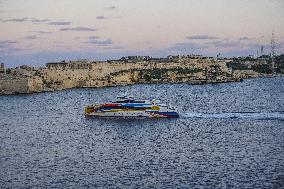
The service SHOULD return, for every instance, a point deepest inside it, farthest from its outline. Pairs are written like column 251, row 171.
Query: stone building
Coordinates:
column 69, row 65
column 2, row 68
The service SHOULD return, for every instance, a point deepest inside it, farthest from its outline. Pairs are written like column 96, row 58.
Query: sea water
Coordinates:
column 229, row 135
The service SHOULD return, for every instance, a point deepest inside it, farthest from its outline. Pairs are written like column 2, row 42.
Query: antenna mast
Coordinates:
column 273, row 53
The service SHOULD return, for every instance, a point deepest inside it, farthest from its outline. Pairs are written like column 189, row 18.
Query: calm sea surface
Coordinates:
column 229, row 136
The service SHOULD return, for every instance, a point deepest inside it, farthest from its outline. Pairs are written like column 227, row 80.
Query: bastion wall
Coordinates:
column 76, row 74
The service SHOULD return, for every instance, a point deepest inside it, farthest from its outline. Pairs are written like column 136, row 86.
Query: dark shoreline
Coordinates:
column 193, row 82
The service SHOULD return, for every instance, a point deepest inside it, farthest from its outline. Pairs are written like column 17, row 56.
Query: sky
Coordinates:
column 34, row 32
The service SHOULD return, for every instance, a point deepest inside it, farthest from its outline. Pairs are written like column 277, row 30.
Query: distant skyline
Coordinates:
column 35, row 32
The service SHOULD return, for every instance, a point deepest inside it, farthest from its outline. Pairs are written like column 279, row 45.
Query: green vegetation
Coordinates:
column 240, row 64
column 147, row 77
column 158, row 73
column 8, row 71
column 237, row 65
column 186, row 70
column 262, row 68
column 279, row 60
column 162, row 73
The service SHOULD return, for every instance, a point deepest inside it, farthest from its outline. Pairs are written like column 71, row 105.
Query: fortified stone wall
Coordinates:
column 35, row 84
column 64, row 75
column 58, row 76
column 98, row 73
column 14, row 86
column 63, row 79
column 20, row 85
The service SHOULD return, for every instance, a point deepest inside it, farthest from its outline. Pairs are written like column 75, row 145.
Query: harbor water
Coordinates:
column 229, row 135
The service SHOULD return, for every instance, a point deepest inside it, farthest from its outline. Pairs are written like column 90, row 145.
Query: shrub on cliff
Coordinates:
column 262, row 68
column 147, row 77
column 235, row 65
column 279, row 60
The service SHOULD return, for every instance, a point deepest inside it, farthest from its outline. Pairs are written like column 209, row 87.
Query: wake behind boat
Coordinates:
column 127, row 106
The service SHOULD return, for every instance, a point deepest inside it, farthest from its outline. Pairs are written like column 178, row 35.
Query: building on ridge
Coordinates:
column 2, row 68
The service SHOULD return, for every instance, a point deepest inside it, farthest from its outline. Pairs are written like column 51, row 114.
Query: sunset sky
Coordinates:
column 35, row 32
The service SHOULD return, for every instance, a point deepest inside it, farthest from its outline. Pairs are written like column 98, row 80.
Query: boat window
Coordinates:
column 129, row 101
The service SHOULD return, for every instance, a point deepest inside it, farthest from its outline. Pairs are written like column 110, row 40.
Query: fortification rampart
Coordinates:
column 20, row 85
column 14, row 86
column 75, row 74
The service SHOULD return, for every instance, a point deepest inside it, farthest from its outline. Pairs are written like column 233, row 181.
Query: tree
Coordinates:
column 262, row 68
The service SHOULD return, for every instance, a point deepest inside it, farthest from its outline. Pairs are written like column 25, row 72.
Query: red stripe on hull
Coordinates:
column 111, row 105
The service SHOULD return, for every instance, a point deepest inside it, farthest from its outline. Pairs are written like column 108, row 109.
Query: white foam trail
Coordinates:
column 235, row 115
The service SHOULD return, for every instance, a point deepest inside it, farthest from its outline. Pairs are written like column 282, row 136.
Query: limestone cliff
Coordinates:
column 76, row 74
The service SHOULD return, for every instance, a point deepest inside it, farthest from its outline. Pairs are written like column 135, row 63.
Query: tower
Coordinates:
column 261, row 50
column 2, row 68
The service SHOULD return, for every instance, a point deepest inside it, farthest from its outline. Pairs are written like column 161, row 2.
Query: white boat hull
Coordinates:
column 123, row 114
column 131, row 108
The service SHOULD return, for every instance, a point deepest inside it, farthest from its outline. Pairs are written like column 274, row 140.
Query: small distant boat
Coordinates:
column 127, row 106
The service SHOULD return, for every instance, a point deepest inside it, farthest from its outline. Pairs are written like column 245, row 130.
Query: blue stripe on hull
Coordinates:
column 166, row 114
column 133, row 105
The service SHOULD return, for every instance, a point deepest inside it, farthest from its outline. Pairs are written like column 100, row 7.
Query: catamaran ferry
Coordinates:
column 127, row 106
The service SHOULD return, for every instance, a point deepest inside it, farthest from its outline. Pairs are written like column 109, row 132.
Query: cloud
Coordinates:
column 7, row 43
column 226, row 44
column 178, row 49
column 243, row 38
column 201, row 37
column 35, row 20
column 187, row 46
column 101, row 42
column 8, row 51
column 101, row 18
column 43, row 32
column 59, row 23
column 114, row 48
column 24, row 19
column 31, row 37
column 216, row 42
column 78, row 29
column 110, row 8
column 94, row 37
